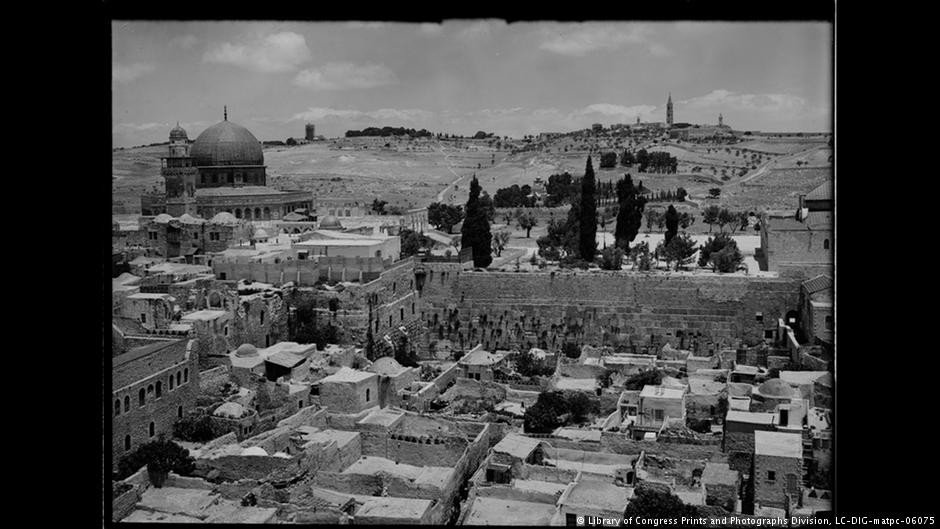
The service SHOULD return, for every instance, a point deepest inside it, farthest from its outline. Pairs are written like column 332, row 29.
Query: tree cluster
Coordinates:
column 528, row 365
column 724, row 217
column 678, row 250
column 669, row 195
column 630, row 212
column 412, row 242
column 514, row 197
column 652, row 162
column 608, row 160
column 444, row 216
column 555, row 408
column 650, row 377
column 388, row 131
column 560, row 189
column 197, row 428
column 721, row 254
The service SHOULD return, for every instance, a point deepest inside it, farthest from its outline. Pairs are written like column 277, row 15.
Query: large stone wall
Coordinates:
column 504, row 310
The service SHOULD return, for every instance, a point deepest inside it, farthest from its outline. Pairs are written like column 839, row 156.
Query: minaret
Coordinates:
column 638, row 120
column 720, row 120
column 225, row 110
column 669, row 110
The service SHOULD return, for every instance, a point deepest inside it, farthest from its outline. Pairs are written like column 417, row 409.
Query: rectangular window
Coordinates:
column 143, row 318
column 760, row 317
column 658, row 415
column 771, row 475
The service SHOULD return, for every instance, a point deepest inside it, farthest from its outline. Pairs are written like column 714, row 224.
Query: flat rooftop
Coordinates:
column 148, row 295
column 495, row 511
column 534, row 485
column 800, row 378
column 341, row 437
column 576, row 384
column 346, row 375
column 661, row 392
column 516, row 445
column 204, row 315
column 750, row 417
column 778, row 444
column 383, row 417
column 719, row 474
column 593, row 494
column 371, row 465
column 393, row 508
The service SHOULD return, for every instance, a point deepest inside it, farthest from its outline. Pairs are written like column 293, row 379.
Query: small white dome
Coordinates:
column 245, row 350
column 254, row 451
column 162, row 218
column 224, row 217
column 232, row 410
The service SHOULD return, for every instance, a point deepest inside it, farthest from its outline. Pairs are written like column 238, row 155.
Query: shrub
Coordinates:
column 652, row 377
column 571, row 350
column 197, row 428
column 159, row 457
column 611, row 258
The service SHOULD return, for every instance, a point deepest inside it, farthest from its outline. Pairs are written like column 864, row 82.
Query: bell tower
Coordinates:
column 669, row 110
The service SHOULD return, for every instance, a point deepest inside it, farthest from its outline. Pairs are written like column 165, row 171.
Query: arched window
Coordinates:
column 159, row 389
column 247, row 213
column 826, row 244
column 238, row 213
column 261, row 318
column 171, row 381
column 186, row 375
column 152, row 429
column 828, row 323
column 257, row 213
column 179, row 412
column 368, row 394
column 267, row 213
column 141, row 397
column 127, row 404
column 127, row 443
column 402, row 314
column 150, row 390
column 117, row 407
column 179, row 378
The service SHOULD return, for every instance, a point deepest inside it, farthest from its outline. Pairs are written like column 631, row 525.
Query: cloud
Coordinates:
column 356, row 24
column 139, row 127
column 619, row 112
column 779, row 104
column 280, row 52
column 591, row 37
column 388, row 115
column 125, row 73
column 344, row 75
column 479, row 30
column 184, row 41
column 429, row 29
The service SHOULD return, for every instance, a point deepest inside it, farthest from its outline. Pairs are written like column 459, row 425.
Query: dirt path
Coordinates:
column 448, row 190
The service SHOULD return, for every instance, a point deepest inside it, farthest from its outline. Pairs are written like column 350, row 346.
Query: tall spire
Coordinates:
column 225, row 115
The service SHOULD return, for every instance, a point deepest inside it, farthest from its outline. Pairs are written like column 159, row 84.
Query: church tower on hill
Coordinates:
column 720, row 120
column 669, row 110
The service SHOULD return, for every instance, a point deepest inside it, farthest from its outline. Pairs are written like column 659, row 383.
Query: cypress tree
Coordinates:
column 630, row 216
column 672, row 223
column 476, row 228
column 588, row 220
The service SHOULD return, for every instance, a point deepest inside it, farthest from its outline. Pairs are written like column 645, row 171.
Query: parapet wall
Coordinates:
column 536, row 309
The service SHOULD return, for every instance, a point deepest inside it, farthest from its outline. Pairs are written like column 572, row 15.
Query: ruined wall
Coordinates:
column 504, row 310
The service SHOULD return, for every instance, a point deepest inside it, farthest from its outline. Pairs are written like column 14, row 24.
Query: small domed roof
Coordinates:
column 162, row 218
column 260, row 234
column 232, row 410
column 178, row 133
column 245, row 350
column 186, row 218
column 254, row 451
column 224, row 217
column 330, row 222
column 776, row 388
column 226, row 143
column 386, row 366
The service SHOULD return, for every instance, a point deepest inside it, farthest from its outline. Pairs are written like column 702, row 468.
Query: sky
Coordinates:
column 463, row 76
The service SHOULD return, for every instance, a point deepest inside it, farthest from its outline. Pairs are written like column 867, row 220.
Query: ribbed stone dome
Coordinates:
column 246, row 350
column 776, row 388
column 178, row 133
column 226, row 143
column 330, row 222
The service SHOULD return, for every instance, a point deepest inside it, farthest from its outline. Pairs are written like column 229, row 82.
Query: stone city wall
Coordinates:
column 536, row 309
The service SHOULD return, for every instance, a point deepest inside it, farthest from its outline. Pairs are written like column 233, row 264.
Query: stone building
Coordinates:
column 778, row 470
column 154, row 382
column 738, row 439
column 310, row 132
column 772, row 393
column 799, row 244
column 188, row 236
column 393, row 379
column 817, row 321
column 349, row 391
column 479, row 364
column 589, row 496
column 658, row 404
